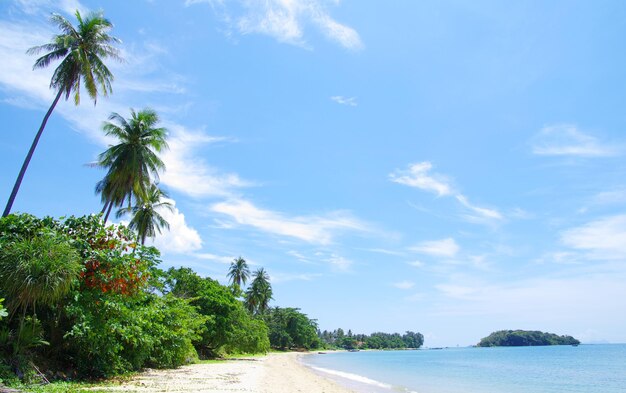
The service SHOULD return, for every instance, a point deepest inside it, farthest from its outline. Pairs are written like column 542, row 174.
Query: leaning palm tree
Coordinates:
column 81, row 50
column 146, row 219
column 238, row 273
column 133, row 163
column 259, row 294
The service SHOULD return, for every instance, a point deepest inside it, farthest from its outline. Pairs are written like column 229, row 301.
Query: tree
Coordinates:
column 81, row 50
column 239, row 273
column 259, row 294
column 146, row 220
column 133, row 163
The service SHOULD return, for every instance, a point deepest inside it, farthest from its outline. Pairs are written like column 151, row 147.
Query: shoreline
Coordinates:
column 272, row 373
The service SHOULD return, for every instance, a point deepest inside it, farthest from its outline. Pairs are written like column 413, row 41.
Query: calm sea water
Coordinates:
column 553, row 369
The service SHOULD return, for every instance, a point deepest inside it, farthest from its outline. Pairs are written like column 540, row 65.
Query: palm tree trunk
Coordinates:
column 18, row 182
column 108, row 212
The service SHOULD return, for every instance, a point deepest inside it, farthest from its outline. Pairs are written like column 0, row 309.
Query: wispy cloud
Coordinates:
column 284, row 20
column 190, row 174
column 339, row 263
column 437, row 248
column 601, row 239
column 44, row 6
column 349, row 101
column 403, row 284
column 420, row 175
column 568, row 140
column 221, row 259
column 481, row 211
column 312, row 229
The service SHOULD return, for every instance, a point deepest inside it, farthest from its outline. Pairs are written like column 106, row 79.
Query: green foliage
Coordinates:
column 3, row 311
column 289, row 328
column 81, row 50
column 145, row 218
column 227, row 328
column 114, row 334
column 238, row 274
column 37, row 270
column 516, row 338
column 132, row 163
column 259, row 294
column 248, row 335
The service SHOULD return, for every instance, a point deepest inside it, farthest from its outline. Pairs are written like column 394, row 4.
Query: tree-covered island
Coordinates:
column 525, row 338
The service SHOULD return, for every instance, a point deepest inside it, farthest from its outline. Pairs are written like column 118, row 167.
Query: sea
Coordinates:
column 549, row 369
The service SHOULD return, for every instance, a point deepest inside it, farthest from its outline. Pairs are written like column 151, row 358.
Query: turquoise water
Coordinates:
column 553, row 369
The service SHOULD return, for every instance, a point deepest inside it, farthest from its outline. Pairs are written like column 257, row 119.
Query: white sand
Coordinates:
column 274, row 373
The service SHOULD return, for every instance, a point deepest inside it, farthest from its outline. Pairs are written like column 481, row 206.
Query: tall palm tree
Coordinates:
column 146, row 219
column 259, row 294
column 133, row 163
column 81, row 50
column 239, row 272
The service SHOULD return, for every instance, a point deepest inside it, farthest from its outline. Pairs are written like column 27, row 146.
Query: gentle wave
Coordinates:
column 356, row 378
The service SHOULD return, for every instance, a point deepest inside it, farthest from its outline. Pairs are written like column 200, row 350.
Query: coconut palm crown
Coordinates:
column 146, row 219
column 238, row 272
column 133, row 163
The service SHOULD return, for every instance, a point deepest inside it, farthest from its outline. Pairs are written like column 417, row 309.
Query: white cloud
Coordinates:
column 568, row 140
column 403, row 284
column 339, row 263
column 284, row 20
column 437, row 248
column 602, row 239
column 226, row 260
column 481, row 211
column 416, row 263
column 349, row 101
column 311, row 229
column 181, row 238
column 40, row 6
column 418, row 176
column 191, row 175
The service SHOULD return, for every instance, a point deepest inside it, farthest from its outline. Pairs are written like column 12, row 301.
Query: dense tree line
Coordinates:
column 339, row 339
column 517, row 338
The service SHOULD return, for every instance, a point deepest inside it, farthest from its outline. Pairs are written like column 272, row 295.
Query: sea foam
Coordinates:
column 357, row 378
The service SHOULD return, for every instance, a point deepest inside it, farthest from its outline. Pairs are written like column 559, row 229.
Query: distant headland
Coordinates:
column 522, row 338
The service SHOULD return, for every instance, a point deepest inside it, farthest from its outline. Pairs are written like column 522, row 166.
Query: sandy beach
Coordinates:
column 274, row 373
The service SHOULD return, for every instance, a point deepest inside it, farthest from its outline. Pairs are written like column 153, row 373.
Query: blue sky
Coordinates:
column 447, row 167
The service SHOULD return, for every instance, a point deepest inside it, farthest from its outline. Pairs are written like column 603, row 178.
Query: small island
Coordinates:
column 521, row 338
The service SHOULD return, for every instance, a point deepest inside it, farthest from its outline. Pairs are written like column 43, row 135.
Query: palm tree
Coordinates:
column 81, row 50
column 146, row 218
column 238, row 273
column 133, row 163
column 259, row 294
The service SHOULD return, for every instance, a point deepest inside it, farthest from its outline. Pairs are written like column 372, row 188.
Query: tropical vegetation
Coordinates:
column 518, row 338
